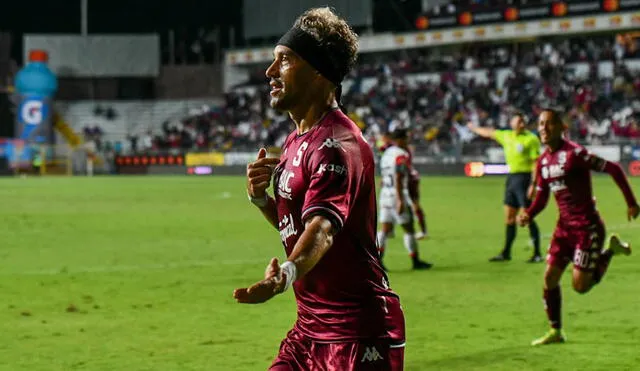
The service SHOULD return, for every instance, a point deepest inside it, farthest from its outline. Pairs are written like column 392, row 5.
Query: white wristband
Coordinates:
column 291, row 272
column 259, row 201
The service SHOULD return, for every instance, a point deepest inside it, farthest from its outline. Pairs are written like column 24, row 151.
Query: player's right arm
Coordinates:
column 540, row 201
column 313, row 244
column 259, row 175
column 595, row 163
column 327, row 203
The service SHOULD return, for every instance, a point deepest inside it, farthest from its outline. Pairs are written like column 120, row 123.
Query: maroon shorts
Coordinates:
column 582, row 246
column 300, row 353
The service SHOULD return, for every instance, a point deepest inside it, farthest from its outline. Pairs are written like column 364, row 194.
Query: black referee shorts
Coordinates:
column 515, row 194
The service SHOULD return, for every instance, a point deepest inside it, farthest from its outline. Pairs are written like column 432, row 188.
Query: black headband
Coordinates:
column 307, row 47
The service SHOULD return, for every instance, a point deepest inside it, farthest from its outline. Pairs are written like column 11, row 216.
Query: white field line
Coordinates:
column 195, row 263
column 224, row 195
column 136, row 268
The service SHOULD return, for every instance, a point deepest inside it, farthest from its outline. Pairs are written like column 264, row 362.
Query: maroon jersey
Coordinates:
column 329, row 170
column 567, row 173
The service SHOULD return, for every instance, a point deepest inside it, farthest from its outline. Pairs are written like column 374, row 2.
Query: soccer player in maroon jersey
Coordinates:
column 565, row 169
column 325, row 211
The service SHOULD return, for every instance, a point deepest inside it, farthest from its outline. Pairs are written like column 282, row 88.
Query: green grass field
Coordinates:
column 138, row 274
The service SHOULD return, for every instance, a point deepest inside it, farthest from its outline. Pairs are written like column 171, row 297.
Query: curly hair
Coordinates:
column 334, row 34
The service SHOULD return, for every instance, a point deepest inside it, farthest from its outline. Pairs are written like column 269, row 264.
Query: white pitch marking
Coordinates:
column 189, row 264
column 135, row 268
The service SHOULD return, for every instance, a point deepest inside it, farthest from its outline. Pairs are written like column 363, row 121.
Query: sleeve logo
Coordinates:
column 331, row 143
column 338, row 169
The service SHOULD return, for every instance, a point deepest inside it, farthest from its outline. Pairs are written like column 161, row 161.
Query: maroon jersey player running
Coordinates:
column 565, row 169
column 325, row 211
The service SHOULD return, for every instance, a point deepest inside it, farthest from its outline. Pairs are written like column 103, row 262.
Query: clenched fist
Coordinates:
column 259, row 174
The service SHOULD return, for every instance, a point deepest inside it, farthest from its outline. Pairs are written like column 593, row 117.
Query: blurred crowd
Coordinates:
column 241, row 124
column 596, row 109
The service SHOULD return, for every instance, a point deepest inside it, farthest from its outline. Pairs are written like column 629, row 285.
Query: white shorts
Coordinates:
column 389, row 213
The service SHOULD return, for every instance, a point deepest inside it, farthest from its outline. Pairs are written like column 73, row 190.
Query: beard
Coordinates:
column 281, row 102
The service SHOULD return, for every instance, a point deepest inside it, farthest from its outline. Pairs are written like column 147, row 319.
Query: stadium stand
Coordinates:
column 595, row 80
column 433, row 91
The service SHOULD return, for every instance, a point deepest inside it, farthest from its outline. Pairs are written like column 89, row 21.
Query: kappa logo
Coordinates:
column 331, row 143
column 371, row 354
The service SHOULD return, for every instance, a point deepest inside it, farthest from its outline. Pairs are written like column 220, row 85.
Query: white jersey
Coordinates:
column 393, row 159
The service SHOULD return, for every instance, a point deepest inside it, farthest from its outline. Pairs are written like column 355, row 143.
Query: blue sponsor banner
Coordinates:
column 17, row 152
column 33, row 119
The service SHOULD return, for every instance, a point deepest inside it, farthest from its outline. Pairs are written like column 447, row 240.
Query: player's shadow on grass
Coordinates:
column 491, row 357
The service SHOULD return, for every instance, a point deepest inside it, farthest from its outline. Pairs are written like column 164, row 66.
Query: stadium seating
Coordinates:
column 595, row 80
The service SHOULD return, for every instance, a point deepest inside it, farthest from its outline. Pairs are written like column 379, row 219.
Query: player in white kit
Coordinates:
column 396, row 206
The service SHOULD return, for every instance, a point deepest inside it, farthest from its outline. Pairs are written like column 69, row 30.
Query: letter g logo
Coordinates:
column 31, row 112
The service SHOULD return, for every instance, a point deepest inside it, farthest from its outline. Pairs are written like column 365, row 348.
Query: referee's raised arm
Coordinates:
column 489, row 133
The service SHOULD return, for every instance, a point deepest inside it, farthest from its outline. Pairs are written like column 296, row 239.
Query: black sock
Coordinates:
column 534, row 232
column 511, row 235
column 601, row 265
column 414, row 257
column 553, row 307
